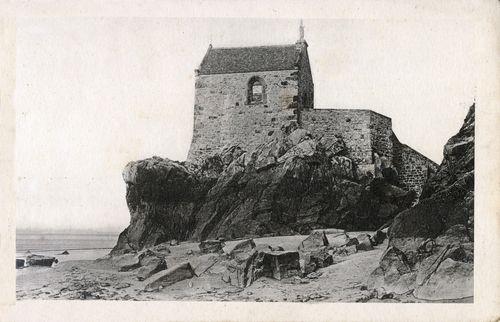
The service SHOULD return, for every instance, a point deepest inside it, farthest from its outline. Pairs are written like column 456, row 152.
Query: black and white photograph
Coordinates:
column 249, row 159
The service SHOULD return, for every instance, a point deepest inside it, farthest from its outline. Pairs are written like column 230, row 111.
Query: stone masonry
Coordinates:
column 222, row 117
column 245, row 94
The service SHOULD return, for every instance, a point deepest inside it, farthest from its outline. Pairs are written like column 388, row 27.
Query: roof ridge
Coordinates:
column 260, row 46
column 223, row 60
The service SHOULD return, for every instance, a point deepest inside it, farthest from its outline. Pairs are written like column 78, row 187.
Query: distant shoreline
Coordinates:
column 58, row 241
column 65, row 232
column 57, row 250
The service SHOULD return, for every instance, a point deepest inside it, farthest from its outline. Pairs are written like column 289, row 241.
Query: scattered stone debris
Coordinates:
column 308, row 297
column 330, row 231
column 122, row 285
column 162, row 248
column 352, row 242
column 345, row 251
column 320, row 257
column 314, row 275
column 365, row 242
column 211, row 246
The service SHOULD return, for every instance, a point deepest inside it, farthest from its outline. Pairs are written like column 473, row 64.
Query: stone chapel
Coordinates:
column 245, row 94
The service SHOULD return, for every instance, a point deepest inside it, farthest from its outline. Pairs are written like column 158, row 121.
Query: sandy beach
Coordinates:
column 345, row 281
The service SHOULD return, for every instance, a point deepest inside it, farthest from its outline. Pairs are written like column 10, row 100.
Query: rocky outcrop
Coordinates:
column 292, row 184
column 431, row 245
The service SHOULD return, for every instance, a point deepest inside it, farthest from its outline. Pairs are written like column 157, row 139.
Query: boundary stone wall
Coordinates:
column 380, row 134
column 352, row 125
column 413, row 168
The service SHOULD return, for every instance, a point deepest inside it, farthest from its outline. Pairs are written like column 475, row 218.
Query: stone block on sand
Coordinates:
column 169, row 276
column 40, row 260
column 315, row 240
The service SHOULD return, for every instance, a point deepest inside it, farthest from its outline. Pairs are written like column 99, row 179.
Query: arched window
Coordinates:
column 256, row 91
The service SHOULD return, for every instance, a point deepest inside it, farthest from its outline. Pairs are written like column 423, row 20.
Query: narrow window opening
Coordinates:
column 256, row 91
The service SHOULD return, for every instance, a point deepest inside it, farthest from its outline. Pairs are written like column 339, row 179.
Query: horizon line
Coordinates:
column 67, row 230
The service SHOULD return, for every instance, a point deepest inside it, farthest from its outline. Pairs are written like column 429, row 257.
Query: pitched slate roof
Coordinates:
column 249, row 59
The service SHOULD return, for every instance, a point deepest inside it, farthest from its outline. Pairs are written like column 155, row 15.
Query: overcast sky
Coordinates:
column 93, row 94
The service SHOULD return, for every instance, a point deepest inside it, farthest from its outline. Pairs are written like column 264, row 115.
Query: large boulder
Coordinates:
column 431, row 245
column 317, row 239
column 169, row 276
column 338, row 239
column 394, row 274
column 201, row 264
column 19, row 263
column 241, row 248
column 127, row 262
column 277, row 264
column 240, row 271
column 40, row 260
column 314, row 253
column 452, row 280
column 320, row 258
column 248, row 264
column 150, row 264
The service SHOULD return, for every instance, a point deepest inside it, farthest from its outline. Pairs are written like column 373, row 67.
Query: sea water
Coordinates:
column 81, row 246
